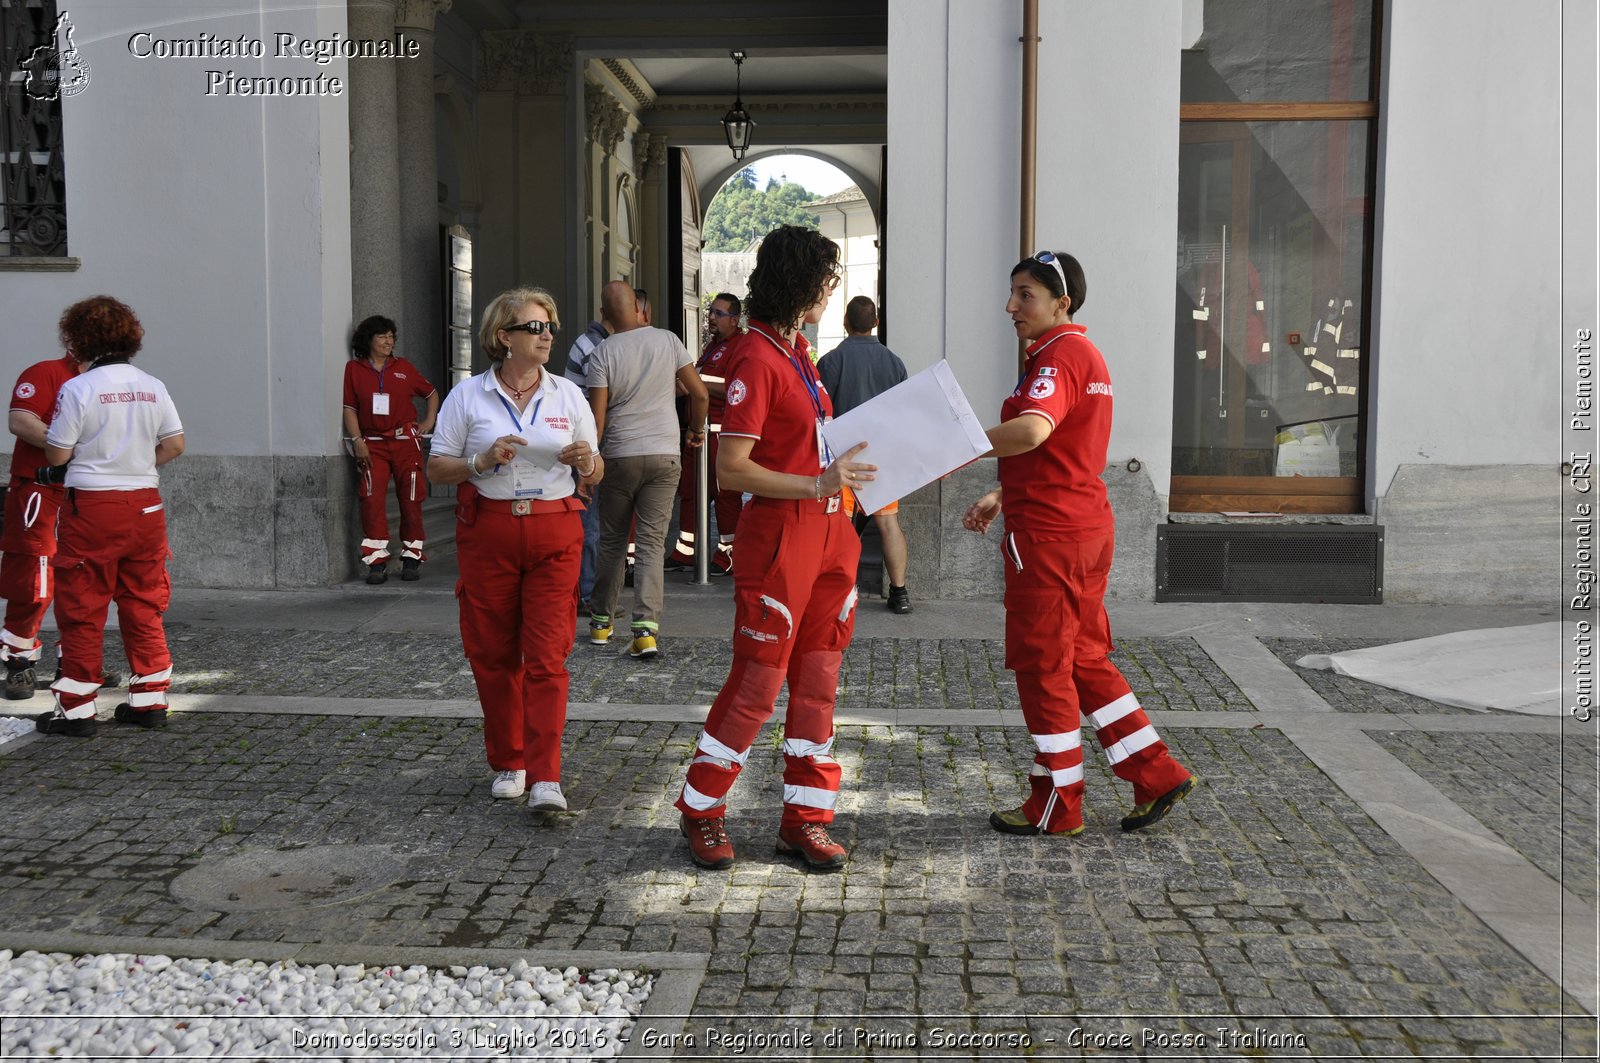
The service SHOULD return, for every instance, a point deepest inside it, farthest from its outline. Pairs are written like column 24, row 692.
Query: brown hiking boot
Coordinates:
column 811, row 842
column 708, row 842
column 1152, row 812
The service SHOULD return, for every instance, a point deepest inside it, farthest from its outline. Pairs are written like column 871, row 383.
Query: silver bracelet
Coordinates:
column 818, row 488
column 472, row 465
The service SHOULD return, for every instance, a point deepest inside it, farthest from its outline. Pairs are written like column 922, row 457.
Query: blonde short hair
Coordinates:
column 502, row 311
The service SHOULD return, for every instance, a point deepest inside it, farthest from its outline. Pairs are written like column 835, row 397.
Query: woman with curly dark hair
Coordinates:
column 380, row 416
column 115, row 424
column 794, row 586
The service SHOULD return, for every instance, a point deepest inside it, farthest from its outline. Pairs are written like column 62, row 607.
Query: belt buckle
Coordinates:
column 833, row 504
column 521, row 507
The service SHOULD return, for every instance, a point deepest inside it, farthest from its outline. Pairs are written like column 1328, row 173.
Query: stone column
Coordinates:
column 524, row 152
column 422, row 323
column 374, row 169
column 649, row 162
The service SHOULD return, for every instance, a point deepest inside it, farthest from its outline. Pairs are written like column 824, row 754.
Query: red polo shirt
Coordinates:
column 769, row 399
column 35, row 393
column 1055, row 490
column 399, row 380
column 714, row 362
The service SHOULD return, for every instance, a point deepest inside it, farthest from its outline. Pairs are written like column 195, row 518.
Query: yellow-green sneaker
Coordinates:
column 1014, row 821
column 599, row 631
column 1152, row 812
column 644, row 645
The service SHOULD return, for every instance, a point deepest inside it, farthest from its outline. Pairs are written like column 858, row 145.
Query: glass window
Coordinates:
column 33, row 214
column 1255, row 51
column 1273, row 255
column 1271, row 263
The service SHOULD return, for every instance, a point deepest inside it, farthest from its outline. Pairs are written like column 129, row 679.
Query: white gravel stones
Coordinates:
column 14, row 727
column 121, row 1005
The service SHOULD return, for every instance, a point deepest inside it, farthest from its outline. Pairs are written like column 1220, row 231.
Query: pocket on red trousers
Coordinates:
column 1036, row 628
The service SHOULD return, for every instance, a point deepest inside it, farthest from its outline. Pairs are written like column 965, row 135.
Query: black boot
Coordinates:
column 19, row 680
column 409, row 569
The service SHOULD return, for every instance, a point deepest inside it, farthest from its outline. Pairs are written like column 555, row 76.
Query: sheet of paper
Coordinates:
column 915, row 432
column 545, row 450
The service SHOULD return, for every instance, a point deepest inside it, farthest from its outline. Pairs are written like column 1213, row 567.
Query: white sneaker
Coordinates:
column 509, row 784
column 546, row 797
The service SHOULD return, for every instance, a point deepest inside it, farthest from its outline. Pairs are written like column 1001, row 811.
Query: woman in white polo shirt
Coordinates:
column 508, row 437
column 115, row 424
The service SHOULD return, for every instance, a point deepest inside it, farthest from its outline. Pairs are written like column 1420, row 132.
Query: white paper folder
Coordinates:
column 916, row 432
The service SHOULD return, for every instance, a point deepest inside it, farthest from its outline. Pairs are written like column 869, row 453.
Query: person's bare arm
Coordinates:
column 28, row 428
column 598, row 397
column 169, row 448
column 1019, row 435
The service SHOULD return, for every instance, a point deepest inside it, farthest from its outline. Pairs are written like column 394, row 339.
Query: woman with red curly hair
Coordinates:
column 114, row 424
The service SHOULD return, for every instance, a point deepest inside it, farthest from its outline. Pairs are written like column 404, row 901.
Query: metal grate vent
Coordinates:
column 1278, row 563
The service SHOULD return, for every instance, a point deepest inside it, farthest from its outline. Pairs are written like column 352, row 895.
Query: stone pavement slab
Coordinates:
column 1291, row 907
column 1268, row 900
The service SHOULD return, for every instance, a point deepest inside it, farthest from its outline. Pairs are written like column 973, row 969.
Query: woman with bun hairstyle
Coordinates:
column 1060, row 534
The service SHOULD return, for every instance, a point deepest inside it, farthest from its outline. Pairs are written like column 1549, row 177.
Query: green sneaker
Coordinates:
column 1153, row 812
column 1013, row 821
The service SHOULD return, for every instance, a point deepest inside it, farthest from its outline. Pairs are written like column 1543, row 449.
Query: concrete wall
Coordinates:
column 224, row 223
column 954, row 124
column 1468, row 347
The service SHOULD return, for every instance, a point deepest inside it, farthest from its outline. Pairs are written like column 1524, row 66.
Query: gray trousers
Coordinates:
column 637, row 491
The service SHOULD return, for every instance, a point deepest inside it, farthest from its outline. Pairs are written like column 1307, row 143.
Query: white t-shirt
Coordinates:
column 479, row 412
column 639, row 367
column 114, row 415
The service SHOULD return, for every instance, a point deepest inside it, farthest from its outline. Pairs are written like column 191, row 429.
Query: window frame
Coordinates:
column 1330, row 494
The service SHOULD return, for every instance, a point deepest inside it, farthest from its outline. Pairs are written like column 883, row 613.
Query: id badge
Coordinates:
column 525, row 480
column 380, row 404
column 824, row 458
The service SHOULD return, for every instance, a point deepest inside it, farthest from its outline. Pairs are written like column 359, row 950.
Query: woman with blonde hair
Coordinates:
column 510, row 437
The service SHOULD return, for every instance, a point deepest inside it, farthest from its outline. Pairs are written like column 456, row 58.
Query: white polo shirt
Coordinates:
column 479, row 412
column 114, row 415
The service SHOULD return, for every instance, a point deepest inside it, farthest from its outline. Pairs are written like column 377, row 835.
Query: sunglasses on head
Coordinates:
column 535, row 328
column 1049, row 258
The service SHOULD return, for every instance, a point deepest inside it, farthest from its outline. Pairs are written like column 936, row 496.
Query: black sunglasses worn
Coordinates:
column 535, row 328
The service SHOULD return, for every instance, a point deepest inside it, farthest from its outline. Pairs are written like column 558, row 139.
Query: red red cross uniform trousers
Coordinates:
column 113, row 539
column 30, row 534
column 382, row 403
column 794, row 592
column 713, row 362
column 1058, row 545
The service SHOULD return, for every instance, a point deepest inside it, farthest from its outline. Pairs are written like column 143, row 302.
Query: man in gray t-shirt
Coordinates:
column 631, row 378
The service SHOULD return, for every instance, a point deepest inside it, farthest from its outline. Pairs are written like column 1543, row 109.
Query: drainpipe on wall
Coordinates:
column 1030, row 112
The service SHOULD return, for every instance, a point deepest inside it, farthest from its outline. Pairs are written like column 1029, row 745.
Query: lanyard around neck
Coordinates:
column 800, row 364
column 533, row 414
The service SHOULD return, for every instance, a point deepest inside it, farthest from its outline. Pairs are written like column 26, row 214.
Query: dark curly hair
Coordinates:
column 99, row 326
column 793, row 270
column 1046, row 274
column 361, row 342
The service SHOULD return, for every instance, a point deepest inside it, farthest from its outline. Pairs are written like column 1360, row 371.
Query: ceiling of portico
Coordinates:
column 815, row 77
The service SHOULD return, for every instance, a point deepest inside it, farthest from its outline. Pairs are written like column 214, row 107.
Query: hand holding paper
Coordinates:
column 915, row 432
column 545, row 451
